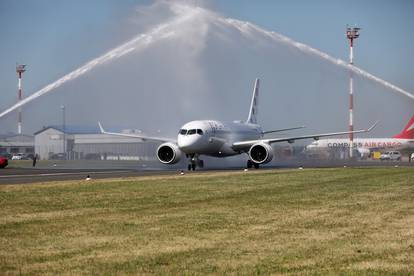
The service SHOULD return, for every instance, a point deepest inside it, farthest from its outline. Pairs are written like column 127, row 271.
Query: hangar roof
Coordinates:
column 72, row 129
column 16, row 140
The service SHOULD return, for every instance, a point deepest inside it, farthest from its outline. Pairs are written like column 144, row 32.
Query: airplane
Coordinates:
column 218, row 139
column 402, row 141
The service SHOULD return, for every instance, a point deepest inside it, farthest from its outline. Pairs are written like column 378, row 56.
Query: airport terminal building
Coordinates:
column 79, row 143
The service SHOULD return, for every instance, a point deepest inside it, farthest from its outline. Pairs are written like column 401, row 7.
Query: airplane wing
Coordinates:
column 142, row 137
column 246, row 144
column 282, row 129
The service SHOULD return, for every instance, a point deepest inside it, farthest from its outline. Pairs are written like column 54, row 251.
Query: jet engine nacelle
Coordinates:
column 261, row 153
column 168, row 153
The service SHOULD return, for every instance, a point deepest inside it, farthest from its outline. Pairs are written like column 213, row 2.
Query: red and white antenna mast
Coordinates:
column 351, row 34
column 20, row 69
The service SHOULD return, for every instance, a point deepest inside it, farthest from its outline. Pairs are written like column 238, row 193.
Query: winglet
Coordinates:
column 373, row 126
column 101, row 128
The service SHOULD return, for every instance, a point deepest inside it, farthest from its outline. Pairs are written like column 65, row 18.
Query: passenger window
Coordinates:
column 183, row 131
column 199, row 131
column 191, row 131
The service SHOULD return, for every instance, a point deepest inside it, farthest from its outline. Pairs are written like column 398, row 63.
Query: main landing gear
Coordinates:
column 194, row 162
column 251, row 164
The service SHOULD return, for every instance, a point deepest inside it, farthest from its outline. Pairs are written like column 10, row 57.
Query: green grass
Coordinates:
column 316, row 221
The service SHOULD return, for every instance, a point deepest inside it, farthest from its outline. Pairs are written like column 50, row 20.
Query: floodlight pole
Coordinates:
column 351, row 34
column 20, row 69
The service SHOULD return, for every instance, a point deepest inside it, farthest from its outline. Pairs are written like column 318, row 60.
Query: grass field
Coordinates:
column 312, row 221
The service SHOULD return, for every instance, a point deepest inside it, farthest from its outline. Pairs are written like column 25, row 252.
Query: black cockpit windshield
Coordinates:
column 191, row 131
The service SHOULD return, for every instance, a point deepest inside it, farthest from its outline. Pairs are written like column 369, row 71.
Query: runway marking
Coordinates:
column 57, row 174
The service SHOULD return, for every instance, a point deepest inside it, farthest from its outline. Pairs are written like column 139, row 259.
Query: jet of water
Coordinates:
column 165, row 30
column 250, row 29
column 141, row 41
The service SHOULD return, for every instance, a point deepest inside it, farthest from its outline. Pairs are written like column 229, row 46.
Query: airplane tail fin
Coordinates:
column 408, row 131
column 252, row 119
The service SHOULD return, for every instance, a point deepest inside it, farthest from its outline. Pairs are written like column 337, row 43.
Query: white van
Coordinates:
column 18, row 156
column 391, row 155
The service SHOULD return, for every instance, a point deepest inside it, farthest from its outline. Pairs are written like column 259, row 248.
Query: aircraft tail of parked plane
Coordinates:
column 408, row 131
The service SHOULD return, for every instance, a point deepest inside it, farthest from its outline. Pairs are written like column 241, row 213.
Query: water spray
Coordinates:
column 141, row 41
column 246, row 28
column 165, row 30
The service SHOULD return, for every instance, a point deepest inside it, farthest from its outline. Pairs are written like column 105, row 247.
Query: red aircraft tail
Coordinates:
column 408, row 131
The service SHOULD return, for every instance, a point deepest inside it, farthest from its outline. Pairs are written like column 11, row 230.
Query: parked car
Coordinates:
column 19, row 156
column 57, row 156
column 6, row 155
column 93, row 156
column 391, row 155
column 3, row 162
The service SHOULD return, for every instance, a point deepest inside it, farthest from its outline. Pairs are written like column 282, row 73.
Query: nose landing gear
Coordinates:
column 194, row 162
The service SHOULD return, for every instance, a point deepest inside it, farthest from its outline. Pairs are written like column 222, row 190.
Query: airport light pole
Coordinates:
column 352, row 33
column 64, row 129
column 20, row 69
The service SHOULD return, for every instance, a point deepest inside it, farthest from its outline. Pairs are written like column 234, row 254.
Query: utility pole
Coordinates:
column 351, row 34
column 20, row 69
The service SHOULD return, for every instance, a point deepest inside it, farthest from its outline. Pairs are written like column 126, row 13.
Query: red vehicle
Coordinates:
column 3, row 162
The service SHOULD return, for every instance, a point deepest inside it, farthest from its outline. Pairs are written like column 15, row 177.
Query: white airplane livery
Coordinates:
column 403, row 140
column 217, row 139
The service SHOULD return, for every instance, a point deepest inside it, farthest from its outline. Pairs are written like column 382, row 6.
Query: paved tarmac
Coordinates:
column 27, row 175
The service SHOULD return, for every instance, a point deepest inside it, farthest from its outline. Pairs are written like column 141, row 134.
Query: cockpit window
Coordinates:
column 191, row 131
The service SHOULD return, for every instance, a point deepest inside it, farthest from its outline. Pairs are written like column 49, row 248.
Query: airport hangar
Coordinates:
column 88, row 143
column 16, row 143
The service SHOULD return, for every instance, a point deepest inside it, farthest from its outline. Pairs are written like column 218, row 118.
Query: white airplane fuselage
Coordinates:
column 215, row 138
column 362, row 143
column 401, row 141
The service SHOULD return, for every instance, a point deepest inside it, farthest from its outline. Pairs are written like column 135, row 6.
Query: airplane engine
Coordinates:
column 261, row 153
column 168, row 153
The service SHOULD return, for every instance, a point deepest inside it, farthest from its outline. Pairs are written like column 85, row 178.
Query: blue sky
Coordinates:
column 55, row 37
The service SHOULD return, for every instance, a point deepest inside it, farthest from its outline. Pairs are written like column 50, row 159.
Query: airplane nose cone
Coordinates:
column 188, row 143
